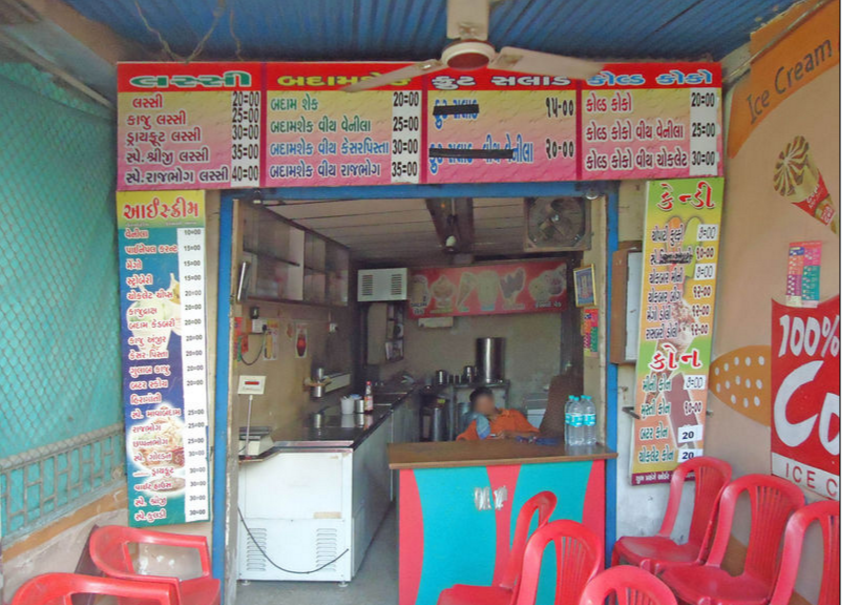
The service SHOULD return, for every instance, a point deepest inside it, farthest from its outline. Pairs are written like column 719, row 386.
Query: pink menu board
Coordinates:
column 529, row 122
column 651, row 120
column 319, row 135
column 193, row 126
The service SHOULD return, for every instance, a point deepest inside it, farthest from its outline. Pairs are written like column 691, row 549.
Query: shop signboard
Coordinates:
column 194, row 126
column 319, row 135
column 525, row 287
column 680, row 252
column 805, row 395
column 237, row 125
column 161, row 238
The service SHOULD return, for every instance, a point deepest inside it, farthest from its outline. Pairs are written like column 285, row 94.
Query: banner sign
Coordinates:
column 193, row 126
column 526, row 287
column 163, row 334
column 240, row 125
column 805, row 396
column 680, row 252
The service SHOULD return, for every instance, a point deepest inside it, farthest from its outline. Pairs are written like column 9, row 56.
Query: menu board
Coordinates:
column 652, row 120
column 487, row 111
column 161, row 239
column 526, row 287
column 319, row 135
column 680, row 252
column 193, row 126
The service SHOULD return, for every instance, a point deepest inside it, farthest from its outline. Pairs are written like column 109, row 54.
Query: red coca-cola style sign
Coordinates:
column 805, row 396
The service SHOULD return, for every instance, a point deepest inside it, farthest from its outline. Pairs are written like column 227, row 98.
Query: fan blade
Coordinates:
column 404, row 73
column 544, row 64
column 468, row 19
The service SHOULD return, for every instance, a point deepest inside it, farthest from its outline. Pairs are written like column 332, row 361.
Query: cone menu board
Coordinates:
column 680, row 252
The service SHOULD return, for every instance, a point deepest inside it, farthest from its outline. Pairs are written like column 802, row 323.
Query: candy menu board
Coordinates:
column 163, row 331
column 526, row 287
column 319, row 135
column 652, row 120
column 680, row 252
column 193, row 126
column 235, row 125
column 531, row 117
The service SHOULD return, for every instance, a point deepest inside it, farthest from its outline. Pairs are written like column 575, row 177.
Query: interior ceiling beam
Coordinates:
column 453, row 213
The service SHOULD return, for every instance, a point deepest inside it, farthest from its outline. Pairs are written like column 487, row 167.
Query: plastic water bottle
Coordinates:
column 576, row 422
column 589, row 420
column 568, row 420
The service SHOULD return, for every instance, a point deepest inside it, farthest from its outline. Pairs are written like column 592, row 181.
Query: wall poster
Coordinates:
column 680, row 252
column 161, row 238
column 805, row 396
column 524, row 287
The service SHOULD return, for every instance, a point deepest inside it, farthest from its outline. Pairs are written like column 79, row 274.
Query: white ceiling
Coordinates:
column 402, row 230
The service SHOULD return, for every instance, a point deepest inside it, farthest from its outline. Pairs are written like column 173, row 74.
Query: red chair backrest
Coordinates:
column 772, row 500
column 827, row 515
column 59, row 588
column 544, row 504
column 110, row 549
column 627, row 585
column 579, row 557
column 711, row 477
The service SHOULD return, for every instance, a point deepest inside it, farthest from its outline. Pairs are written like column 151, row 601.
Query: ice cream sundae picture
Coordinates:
column 443, row 291
column 798, row 180
column 419, row 294
column 548, row 285
column 511, row 285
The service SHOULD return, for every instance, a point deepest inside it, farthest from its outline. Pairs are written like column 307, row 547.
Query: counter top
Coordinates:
column 494, row 452
column 337, row 430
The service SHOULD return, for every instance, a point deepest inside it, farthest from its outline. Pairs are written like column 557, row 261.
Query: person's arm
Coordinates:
column 522, row 427
column 470, row 433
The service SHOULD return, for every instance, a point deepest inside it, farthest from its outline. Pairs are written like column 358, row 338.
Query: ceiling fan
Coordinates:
column 467, row 22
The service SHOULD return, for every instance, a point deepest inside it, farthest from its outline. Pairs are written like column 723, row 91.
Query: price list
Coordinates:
column 705, row 131
column 245, row 138
column 162, row 272
column 406, row 136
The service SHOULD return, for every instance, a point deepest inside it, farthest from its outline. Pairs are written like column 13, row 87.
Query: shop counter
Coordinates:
column 458, row 502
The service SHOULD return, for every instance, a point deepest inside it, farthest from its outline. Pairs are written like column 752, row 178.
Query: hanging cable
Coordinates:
column 275, row 565
column 217, row 15
column 243, row 338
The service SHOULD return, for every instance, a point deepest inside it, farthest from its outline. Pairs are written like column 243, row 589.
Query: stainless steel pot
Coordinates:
column 490, row 359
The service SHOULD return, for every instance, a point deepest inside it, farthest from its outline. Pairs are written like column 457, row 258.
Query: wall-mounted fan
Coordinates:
column 555, row 224
column 467, row 22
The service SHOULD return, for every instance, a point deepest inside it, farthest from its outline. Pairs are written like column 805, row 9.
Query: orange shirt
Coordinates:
column 507, row 420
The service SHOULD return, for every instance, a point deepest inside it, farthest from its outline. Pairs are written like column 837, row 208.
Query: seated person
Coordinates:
column 492, row 423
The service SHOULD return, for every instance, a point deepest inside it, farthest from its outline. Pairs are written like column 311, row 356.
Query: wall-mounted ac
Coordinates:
column 374, row 285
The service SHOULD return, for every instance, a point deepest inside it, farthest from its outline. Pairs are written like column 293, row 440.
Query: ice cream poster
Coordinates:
column 680, row 253
column 527, row 287
column 161, row 238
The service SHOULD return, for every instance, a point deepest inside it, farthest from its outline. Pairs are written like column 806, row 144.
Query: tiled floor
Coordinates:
column 375, row 584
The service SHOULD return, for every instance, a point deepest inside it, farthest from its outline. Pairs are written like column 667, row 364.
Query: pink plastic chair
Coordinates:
column 627, row 585
column 657, row 553
column 772, row 500
column 110, row 552
column 827, row 515
column 544, row 504
column 59, row 588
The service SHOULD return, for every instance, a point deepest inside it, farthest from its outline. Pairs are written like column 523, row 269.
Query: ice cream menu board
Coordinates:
column 680, row 252
column 532, row 117
column 161, row 237
column 526, row 287
column 319, row 135
column 652, row 120
column 193, row 126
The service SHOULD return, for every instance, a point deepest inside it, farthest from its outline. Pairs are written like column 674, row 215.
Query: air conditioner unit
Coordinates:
column 374, row 285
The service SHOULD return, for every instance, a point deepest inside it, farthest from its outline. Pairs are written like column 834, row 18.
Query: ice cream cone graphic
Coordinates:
column 798, row 180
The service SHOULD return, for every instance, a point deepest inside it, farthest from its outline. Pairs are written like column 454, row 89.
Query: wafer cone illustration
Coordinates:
column 798, row 180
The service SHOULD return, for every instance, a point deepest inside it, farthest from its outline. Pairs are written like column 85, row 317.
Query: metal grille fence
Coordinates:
column 60, row 437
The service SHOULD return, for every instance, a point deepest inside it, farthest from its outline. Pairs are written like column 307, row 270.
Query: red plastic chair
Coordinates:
column 544, row 504
column 827, row 514
column 627, row 585
column 110, row 553
column 772, row 500
column 657, row 553
column 59, row 588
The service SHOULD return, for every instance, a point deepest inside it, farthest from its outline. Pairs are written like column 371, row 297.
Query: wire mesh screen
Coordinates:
column 59, row 309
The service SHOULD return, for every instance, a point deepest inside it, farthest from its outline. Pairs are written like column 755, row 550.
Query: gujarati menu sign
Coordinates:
column 318, row 135
column 680, row 252
column 652, row 120
column 193, row 126
column 163, row 332
column 525, row 287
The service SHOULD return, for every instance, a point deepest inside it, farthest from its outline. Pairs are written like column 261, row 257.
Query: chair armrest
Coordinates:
column 199, row 543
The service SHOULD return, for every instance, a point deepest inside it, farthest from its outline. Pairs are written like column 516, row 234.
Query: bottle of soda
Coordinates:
column 589, row 418
column 369, row 398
